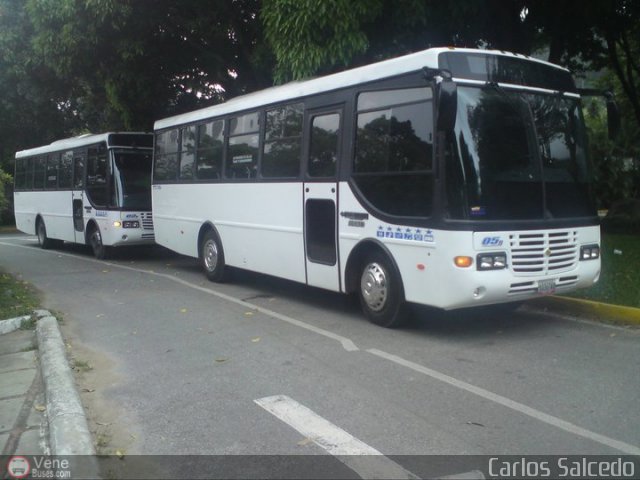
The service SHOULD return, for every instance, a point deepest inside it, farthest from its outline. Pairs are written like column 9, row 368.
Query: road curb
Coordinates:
column 68, row 428
column 12, row 324
column 617, row 314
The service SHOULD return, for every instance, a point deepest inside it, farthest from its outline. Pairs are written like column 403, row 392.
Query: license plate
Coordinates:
column 546, row 287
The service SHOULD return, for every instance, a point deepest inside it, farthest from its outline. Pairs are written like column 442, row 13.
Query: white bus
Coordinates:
column 448, row 177
column 91, row 189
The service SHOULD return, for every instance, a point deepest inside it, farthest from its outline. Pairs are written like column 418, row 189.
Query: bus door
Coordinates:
column 77, row 196
column 321, row 197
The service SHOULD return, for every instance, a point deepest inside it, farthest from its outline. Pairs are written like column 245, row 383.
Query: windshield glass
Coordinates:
column 518, row 156
column 132, row 174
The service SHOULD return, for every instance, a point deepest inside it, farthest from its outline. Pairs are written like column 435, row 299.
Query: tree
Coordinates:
column 129, row 62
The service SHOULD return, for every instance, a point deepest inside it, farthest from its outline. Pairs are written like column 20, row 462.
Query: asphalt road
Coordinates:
column 261, row 366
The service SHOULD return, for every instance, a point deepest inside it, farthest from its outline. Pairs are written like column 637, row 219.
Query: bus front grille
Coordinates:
column 520, row 288
column 147, row 221
column 541, row 253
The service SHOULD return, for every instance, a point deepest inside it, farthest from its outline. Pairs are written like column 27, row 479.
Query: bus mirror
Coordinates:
column 613, row 116
column 447, row 104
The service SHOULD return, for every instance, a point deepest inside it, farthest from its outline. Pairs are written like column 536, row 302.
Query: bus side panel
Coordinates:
column 53, row 206
column 260, row 224
column 24, row 211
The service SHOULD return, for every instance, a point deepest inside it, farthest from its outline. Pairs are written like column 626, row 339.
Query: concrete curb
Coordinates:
column 617, row 314
column 68, row 428
column 12, row 324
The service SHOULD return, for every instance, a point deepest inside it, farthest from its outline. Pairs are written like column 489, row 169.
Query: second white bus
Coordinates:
column 91, row 189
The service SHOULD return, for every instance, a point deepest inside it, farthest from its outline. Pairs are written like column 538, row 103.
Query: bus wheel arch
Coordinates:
column 373, row 274
column 211, row 254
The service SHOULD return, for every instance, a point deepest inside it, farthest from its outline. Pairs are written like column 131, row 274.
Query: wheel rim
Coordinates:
column 96, row 240
column 210, row 255
column 41, row 235
column 373, row 286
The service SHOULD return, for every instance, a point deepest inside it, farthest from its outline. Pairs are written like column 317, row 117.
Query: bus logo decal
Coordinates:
column 491, row 241
column 101, row 213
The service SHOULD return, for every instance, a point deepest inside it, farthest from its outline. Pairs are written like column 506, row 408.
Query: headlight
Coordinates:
column 131, row 224
column 589, row 252
column 492, row 261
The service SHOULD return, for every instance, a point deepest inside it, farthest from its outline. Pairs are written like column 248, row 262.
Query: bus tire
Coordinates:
column 380, row 291
column 44, row 241
column 100, row 251
column 212, row 258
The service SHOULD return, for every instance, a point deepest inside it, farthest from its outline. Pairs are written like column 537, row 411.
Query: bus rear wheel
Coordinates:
column 212, row 258
column 44, row 241
column 100, row 251
column 380, row 292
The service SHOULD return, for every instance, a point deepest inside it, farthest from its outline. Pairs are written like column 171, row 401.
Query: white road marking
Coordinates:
column 344, row 446
column 350, row 346
column 513, row 405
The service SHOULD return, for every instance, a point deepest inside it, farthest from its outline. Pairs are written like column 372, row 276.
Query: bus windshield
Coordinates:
column 518, row 156
column 132, row 175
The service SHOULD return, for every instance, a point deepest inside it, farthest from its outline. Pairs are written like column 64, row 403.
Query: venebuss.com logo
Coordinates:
column 18, row 467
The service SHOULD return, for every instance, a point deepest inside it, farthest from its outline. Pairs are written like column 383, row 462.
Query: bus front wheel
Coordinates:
column 100, row 251
column 212, row 258
column 44, row 241
column 380, row 292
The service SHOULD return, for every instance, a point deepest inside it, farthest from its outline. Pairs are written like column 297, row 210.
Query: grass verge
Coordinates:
column 620, row 279
column 17, row 298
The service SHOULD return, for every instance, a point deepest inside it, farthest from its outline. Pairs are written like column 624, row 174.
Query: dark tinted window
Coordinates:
column 19, row 174
column 166, row 156
column 323, row 150
column 28, row 172
column 187, row 152
column 394, row 155
column 51, row 181
column 97, row 176
column 209, row 151
column 65, row 170
column 39, row 172
column 242, row 154
column 78, row 170
column 283, row 140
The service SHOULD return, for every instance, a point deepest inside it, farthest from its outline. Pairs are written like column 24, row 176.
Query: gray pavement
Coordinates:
column 23, row 421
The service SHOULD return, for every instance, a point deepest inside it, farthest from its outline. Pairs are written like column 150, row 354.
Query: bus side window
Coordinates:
column 209, row 150
column 282, row 142
column 39, row 172
column 166, row 156
column 97, row 172
column 19, row 179
column 65, row 170
column 52, row 171
column 323, row 149
column 78, row 171
column 394, row 151
column 242, row 147
column 187, row 152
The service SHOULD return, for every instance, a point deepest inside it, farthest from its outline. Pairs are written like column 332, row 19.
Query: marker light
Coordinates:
column 492, row 261
column 463, row 262
column 117, row 224
column 589, row 252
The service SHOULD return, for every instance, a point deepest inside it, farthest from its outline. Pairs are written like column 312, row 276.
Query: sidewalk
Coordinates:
column 40, row 410
column 23, row 421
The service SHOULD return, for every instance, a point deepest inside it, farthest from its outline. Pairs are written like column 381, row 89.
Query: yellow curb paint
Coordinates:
column 613, row 313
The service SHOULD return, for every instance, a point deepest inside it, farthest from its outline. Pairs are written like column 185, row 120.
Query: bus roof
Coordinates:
column 74, row 142
column 375, row 71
